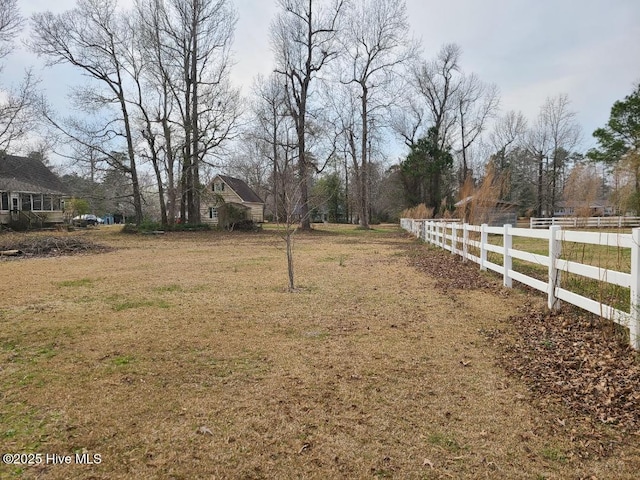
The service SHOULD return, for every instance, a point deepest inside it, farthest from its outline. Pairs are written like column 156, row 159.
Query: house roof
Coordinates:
column 243, row 190
column 25, row 174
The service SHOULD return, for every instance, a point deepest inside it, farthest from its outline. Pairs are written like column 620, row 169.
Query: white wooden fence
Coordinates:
column 585, row 222
column 456, row 238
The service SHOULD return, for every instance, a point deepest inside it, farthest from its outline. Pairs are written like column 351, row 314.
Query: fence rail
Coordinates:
column 585, row 222
column 457, row 238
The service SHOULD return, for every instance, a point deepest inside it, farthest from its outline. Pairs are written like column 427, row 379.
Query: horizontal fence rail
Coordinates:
column 460, row 239
column 585, row 222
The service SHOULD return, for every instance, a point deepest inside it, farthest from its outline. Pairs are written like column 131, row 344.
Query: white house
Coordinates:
column 29, row 192
column 224, row 192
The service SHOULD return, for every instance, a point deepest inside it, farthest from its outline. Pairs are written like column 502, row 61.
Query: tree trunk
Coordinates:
column 137, row 196
column 364, row 173
column 170, row 159
column 194, row 204
column 540, row 175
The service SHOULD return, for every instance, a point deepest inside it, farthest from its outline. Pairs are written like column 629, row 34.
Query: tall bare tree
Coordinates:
column 507, row 136
column 11, row 23
column 376, row 41
column 304, row 40
column 17, row 104
column 90, row 37
column 270, row 110
column 550, row 142
column 439, row 82
column 508, row 133
column 194, row 38
column 477, row 103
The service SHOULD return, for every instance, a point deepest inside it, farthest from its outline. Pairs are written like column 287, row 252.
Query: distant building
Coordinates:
column 228, row 196
column 598, row 208
column 491, row 212
column 30, row 193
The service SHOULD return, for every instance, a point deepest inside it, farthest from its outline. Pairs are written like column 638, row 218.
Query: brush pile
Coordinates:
column 47, row 246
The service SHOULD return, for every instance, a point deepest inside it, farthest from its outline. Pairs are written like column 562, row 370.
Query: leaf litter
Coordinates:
column 569, row 359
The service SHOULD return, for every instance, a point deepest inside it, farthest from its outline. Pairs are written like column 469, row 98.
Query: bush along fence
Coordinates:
column 492, row 248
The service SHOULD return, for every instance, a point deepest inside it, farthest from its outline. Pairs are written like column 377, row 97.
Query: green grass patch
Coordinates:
column 445, row 441
column 169, row 288
column 122, row 360
column 553, row 454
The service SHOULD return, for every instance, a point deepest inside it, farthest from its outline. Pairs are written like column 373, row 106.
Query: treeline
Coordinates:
column 159, row 112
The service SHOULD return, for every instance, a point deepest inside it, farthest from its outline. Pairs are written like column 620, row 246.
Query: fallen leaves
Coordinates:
column 450, row 271
column 570, row 358
column 573, row 359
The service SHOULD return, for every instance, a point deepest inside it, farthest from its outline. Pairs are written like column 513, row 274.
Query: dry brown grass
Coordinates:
column 368, row 371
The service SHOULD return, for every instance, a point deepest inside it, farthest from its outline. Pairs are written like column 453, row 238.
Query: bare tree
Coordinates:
column 477, row 103
column 270, row 110
column 18, row 115
column 91, row 37
column 564, row 133
column 18, row 104
column 193, row 39
column 550, row 141
column 11, row 23
column 304, row 40
column 376, row 42
column 439, row 82
column 508, row 133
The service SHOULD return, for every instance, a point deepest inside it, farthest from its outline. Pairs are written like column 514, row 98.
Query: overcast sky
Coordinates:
column 531, row 49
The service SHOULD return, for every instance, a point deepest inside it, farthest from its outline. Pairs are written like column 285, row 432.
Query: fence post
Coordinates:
column 506, row 262
column 433, row 237
column 634, row 311
column 444, row 235
column 465, row 241
column 530, row 222
column 483, row 242
column 454, row 239
column 555, row 249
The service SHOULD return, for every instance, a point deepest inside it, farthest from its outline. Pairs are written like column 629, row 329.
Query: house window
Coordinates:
column 46, row 203
column 37, row 202
column 26, row 201
column 218, row 187
column 213, row 213
column 58, row 203
column 4, row 201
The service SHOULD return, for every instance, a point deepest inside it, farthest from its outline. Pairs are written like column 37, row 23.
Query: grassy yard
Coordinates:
column 183, row 356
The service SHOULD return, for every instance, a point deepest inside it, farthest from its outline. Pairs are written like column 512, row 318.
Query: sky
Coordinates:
column 531, row 49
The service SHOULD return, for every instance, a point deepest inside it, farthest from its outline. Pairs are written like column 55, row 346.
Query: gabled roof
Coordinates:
column 25, row 174
column 243, row 190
